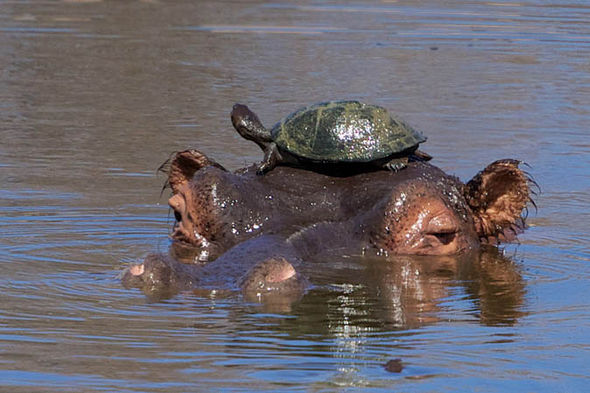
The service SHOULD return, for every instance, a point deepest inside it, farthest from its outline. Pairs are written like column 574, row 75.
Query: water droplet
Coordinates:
column 204, row 256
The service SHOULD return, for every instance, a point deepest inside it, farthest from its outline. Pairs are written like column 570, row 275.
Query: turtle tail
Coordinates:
column 419, row 155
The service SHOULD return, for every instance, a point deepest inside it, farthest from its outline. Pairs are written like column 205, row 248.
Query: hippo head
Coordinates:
column 419, row 210
column 262, row 235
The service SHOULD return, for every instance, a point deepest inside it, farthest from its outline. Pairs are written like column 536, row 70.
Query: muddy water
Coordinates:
column 94, row 95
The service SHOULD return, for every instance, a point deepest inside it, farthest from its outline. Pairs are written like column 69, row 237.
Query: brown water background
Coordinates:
column 94, row 95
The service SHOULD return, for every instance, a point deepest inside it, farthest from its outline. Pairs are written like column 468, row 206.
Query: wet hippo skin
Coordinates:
column 254, row 233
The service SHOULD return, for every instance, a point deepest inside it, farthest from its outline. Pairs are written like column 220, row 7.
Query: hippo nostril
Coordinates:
column 177, row 216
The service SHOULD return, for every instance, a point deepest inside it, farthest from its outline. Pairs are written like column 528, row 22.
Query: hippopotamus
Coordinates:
column 258, row 234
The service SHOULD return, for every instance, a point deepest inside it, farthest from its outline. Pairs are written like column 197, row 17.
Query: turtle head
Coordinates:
column 249, row 126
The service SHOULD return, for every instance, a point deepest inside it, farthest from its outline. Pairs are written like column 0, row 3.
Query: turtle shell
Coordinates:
column 344, row 131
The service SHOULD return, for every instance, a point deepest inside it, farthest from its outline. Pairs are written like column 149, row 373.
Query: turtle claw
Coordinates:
column 271, row 158
column 263, row 168
column 395, row 165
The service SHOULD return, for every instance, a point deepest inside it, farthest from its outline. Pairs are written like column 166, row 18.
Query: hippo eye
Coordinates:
column 443, row 228
column 445, row 237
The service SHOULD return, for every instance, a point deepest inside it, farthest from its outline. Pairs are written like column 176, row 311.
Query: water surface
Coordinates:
column 95, row 95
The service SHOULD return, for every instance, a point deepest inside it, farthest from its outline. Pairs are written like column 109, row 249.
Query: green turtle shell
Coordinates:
column 344, row 131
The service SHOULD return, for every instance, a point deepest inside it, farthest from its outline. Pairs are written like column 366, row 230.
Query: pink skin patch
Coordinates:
column 282, row 274
column 137, row 270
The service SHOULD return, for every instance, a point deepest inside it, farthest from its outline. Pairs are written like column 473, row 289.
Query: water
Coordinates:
column 95, row 95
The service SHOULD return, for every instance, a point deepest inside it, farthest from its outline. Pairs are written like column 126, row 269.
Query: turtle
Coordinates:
column 331, row 134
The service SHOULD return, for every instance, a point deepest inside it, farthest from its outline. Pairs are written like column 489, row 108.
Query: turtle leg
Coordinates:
column 396, row 164
column 271, row 158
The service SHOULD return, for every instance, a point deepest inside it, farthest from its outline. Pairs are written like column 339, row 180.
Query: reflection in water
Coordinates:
column 409, row 292
column 399, row 293
column 389, row 303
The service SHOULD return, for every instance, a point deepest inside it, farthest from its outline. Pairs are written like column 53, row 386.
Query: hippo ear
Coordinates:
column 182, row 166
column 498, row 197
